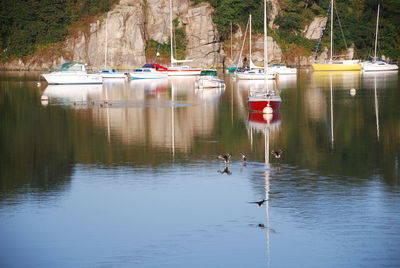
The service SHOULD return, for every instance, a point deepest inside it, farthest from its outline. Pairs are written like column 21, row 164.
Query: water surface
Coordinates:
column 126, row 174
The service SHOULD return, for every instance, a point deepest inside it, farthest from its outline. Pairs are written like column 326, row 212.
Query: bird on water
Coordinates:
column 225, row 157
column 277, row 153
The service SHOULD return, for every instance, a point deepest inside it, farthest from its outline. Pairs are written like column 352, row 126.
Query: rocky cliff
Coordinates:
column 118, row 38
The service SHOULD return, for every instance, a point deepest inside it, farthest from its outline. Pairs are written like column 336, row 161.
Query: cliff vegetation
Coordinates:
column 27, row 25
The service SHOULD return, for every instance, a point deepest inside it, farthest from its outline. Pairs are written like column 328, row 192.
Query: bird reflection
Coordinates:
column 225, row 157
column 225, row 170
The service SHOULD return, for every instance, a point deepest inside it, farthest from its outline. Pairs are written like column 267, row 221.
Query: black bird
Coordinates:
column 225, row 170
column 225, row 157
column 261, row 225
column 259, row 203
column 277, row 153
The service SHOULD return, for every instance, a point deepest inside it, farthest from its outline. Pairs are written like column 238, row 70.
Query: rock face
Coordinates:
column 129, row 25
column 313, row 31
column 124, row 39
column 273, row 13
column 274, row 51
column 203, row 39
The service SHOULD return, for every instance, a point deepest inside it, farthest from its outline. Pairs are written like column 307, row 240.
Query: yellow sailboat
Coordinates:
column 336, row 65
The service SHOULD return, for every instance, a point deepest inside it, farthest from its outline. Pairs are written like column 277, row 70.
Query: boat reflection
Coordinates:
column 149, row 85
column 265, row 123
column 209, row 95
column 348, row 79
column 73, row 93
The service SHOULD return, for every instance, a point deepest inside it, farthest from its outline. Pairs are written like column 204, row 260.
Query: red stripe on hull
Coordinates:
column 259, row 105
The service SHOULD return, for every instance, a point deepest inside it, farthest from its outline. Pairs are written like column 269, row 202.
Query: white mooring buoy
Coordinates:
column 353, row 92
column 268, row 110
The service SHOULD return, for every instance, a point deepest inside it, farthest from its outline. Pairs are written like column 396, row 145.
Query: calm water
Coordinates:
column 136, row 183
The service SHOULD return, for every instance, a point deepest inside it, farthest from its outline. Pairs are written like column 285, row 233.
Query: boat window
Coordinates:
column 138, row 70
column 208, row 72
column 146, row 70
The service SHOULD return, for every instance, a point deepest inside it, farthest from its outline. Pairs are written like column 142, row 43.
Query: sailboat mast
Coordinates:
column 250, row 42
column 376, row 33
column 170, row 19
column 106, row 45
column 331, row 29
column 265, row 43
column 231, row 40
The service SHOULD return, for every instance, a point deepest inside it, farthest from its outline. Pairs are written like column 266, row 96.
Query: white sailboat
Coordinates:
column 265, row 101
column 336, row 65
column 255, row 72
column 109, row 73
column 181, row 70
column 376, row 64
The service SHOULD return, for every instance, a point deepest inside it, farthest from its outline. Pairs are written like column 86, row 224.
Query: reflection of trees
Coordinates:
column 357, row 151
column 34, row 154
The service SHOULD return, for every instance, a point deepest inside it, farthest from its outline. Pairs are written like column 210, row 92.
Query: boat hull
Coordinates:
column 283, row 70
column 257, row 104
column 120, row 76
column 178, row 72
column 255, row 76
column 135, row 76
column 337, row 67
column 377, row 67
column 62, row 78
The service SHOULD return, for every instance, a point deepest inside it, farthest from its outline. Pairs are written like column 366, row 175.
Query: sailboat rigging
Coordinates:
column 378, row 64
column 265, row 101
column 336, row 65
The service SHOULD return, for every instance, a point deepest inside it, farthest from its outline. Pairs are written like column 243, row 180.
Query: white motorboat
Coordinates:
column 112, row 73
column 377, row 64
column 147, row 73
column 72, row 73
column 209, row 79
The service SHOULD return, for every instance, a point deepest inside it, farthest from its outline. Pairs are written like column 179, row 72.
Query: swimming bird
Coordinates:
column 277, row 153
column 244, row 157
column 225, row 157
column 225, row 170
column 259, row 203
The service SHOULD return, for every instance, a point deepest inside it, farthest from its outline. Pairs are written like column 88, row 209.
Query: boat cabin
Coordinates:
column 73, row 67
column 208, row 72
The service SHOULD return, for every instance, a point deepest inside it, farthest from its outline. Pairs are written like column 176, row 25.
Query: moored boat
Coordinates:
column 282, row 69
column 258, row 101
column 147, row 73
column 256, row 75
column 112, row 73
column 72, row 73
column 378, row 64
column 209, row 79
column 336, row 65
column 266, row 100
